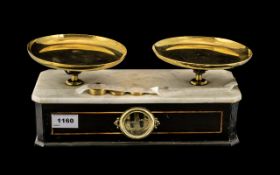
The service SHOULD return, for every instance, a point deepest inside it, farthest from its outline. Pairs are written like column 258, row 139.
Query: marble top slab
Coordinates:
column 172, row 84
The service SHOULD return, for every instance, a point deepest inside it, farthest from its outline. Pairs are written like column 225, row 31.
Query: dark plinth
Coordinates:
column 180, row 124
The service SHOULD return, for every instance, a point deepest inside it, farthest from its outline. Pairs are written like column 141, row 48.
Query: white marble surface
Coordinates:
column 173, row 85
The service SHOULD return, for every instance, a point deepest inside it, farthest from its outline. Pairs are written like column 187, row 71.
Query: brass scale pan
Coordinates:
column 201, row 54
column 75, row 53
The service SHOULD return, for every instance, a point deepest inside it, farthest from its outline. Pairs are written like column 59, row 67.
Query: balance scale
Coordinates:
column 128, row 107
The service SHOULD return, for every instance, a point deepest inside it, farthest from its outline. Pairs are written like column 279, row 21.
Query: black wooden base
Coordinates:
column 180, row 124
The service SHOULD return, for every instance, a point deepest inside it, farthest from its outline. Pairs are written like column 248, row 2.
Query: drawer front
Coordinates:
column 97, row 122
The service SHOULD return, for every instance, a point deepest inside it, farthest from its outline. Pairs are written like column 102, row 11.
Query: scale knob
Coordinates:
column 137, row 123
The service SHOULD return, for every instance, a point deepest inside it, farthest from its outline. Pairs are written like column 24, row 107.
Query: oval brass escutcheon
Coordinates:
column 137, row 123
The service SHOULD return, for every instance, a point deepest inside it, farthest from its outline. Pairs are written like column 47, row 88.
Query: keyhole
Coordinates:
column 142, row 121
column 131, row 119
